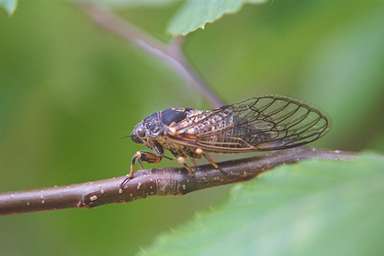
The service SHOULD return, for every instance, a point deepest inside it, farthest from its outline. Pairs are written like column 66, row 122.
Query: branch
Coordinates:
column 171, row 54
column 160, row 182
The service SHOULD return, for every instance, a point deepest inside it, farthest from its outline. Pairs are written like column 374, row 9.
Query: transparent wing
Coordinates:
column 261, row 123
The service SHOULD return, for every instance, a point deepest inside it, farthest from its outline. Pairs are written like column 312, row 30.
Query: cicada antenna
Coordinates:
column 126, row 136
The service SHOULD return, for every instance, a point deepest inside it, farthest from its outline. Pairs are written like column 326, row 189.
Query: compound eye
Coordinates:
column 140, row 132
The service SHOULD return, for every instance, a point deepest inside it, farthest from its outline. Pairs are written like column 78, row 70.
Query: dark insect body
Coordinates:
column 256, row 124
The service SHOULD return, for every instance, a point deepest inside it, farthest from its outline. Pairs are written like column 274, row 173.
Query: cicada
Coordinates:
column 257, row 124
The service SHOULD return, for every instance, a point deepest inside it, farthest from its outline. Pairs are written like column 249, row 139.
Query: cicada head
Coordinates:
column 150, row 128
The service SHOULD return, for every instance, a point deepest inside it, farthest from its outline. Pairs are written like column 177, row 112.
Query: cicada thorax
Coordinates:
column 196, row 124
column 201, row 123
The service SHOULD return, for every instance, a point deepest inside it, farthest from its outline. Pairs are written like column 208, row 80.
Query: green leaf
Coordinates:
column 8, row 5
column 197, row 13
column 134, row 3
column 312, row 208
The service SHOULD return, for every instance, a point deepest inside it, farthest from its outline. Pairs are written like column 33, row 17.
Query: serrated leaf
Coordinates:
column 196, row 14
column 8, row 5
column 312, row 208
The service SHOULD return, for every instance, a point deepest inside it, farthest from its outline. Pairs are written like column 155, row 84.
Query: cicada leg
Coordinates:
column 139, row 157
column 193, row 161
column 182, row 160
column 210, row 160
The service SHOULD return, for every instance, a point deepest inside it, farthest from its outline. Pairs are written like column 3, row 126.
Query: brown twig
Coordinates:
column 171, row 54
column 168, row 181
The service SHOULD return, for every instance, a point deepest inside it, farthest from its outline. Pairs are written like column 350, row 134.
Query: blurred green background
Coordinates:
column 69, row 91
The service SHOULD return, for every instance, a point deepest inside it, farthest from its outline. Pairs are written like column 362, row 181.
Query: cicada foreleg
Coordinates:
column 140, row 157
